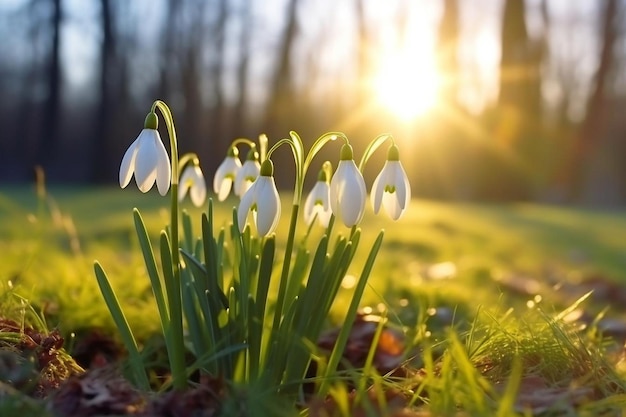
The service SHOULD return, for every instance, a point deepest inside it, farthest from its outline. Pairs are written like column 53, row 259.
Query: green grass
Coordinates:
column 437, row 276
column 48, row 249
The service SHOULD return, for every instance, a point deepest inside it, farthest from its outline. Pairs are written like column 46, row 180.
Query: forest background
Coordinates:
column 492, row 100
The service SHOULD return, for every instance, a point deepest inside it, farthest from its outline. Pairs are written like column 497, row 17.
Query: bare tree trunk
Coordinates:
column 103, row 169
column 240, row 110
column 447, row 61
column 191, row 77
column 218, row 124
column 364, row 55
column 519, row 112
column 49, row 139
column 281, row 94
column 594, row 126
column 520, row 62
column 168, row 42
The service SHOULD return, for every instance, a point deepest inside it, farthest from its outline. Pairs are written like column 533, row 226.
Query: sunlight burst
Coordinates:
column 406, row 85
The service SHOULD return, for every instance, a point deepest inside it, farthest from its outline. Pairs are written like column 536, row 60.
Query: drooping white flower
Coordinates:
column 192, row 182
column 318, row 202
column 347, row 190
column 147, row 158
column 226, row 173
column 391, row 187
column 248, row 173
column 262, row 200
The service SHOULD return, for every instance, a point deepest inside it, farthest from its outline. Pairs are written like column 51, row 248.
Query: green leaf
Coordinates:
column 188, row 231
column 126, row 334
column 151, row 268
column 197, row 328
column 265, row 275
column 342, row 338
column 200, row 273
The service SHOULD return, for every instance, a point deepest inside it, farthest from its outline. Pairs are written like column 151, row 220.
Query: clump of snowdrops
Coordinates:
column 213, row 291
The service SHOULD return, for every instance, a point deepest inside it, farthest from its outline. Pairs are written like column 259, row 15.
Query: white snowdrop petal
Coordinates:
column 183, row 187
column 224, row 176
column 323, row 217
column 401, row 183
column 336, row 186
column 197, row 192
column 392, row 206
column 218, row 180
column 246, row 175
column 244, row 206
column 224, row 189
column 348, row 193
column 145, row 162
column 268, row 206
column 407, row 190
column 127, row 167
column 163, row 169
column 184, row 184
column 319, row 193
column 376, row 195
column 352, row 202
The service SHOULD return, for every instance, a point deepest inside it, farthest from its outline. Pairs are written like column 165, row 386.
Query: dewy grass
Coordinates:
column 508, row 364
column 212, row 288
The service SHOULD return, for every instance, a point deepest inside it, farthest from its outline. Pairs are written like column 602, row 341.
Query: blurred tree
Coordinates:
column 452, row 119
column 447, row 50
column 109, row 86
column 520, row 89
column 168, row 62
column 219, row 119
column 49, row 135
column 195, row 33
column 517, row 122
column 22, row 80
column 364, row 53
column 279, row 113
column 594, row 127
column 240, row 106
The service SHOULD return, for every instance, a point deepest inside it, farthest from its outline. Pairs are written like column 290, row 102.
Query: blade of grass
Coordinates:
column 342, row 338
column 126, row 334
column 151, row 268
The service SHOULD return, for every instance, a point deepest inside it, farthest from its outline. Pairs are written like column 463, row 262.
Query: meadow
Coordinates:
column 503, row 309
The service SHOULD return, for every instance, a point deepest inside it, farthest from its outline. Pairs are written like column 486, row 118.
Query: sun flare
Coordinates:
column 406, row 85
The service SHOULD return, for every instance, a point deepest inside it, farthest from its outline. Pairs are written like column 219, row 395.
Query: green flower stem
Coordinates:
column 302, row 164
column 186, row 159
column 247, row 141
column 284, row 276
column 263, row 142
column 371, row 148
column 177, row 357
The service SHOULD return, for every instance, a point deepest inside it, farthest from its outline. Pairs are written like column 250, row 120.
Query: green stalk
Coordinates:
column 177, row 358
column 284, row 276
column 342, row 338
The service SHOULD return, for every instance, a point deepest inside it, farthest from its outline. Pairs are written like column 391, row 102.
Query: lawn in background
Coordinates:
column 460, row 255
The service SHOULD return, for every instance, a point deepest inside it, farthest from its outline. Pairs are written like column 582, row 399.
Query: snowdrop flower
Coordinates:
column 391, row 187
column 347, row 190
column 318, row 201
column 226, row 173
column 263, row 200
column 248, row 173
column 147, row 158
column 192, row 182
